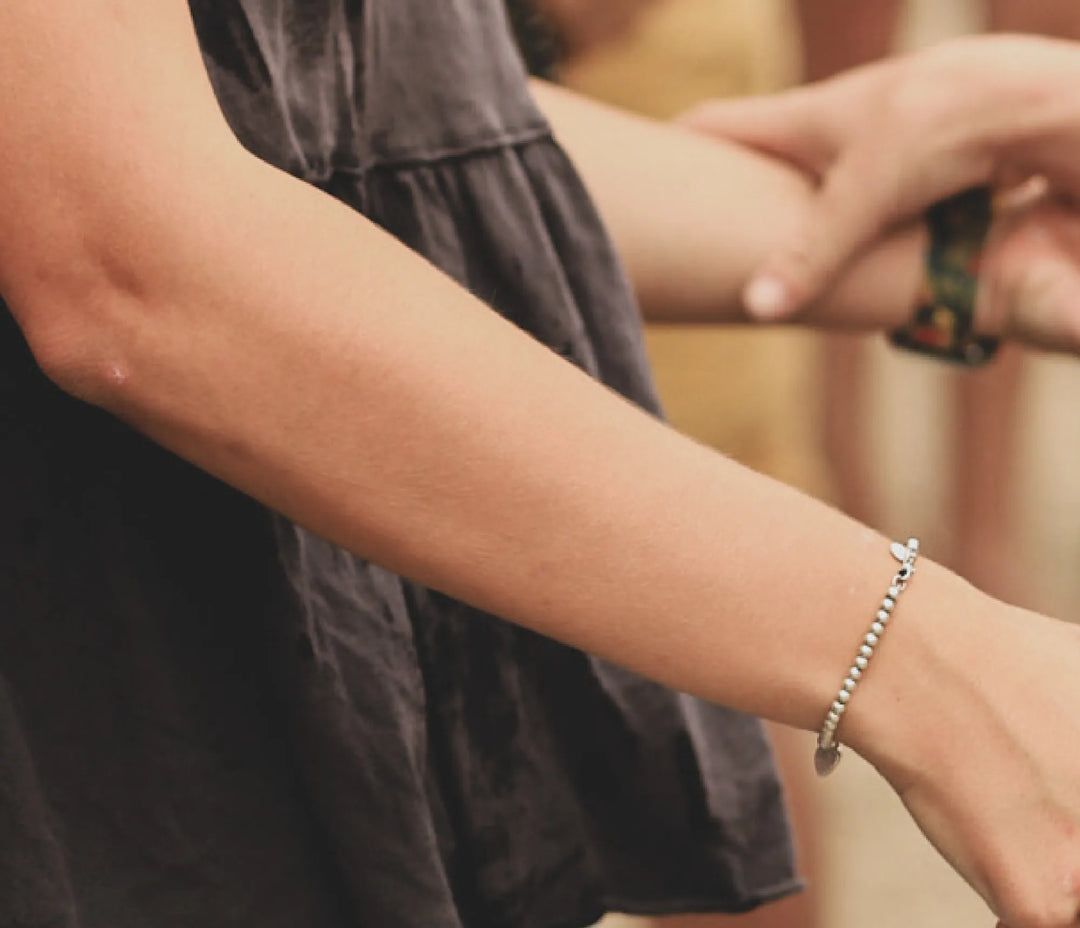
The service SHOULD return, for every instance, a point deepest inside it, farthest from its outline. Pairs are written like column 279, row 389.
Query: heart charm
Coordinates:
column 899, row 551
column 826, row 759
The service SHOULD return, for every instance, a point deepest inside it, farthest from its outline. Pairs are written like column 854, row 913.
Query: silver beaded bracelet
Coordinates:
column 827, row 755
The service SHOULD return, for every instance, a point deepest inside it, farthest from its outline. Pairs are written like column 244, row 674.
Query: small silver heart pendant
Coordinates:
column 826, row 760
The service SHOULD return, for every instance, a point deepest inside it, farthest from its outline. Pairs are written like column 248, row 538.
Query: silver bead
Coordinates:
column 866, row 651
column 894, row 593
column 844, row 696
column 838, row 707
column 888, row 603
column 855, row 673
column 878, row 628
column 850, row 684
column 872, row 639
column 861, row 662
column 882, row 616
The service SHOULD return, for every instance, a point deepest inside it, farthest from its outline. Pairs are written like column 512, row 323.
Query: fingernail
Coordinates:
column 766, row 298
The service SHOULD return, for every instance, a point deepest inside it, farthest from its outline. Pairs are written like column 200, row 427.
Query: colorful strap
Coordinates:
column 944, row 321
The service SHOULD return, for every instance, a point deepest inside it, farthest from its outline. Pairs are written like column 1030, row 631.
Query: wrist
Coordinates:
column 944, row 324
column 878, row 292
column 922, row 677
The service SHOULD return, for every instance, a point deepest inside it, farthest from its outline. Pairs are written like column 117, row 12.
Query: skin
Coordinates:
column 900, row 116
column 985, row 521
column 418, row 429
column 789, row 747
column 887, row 140
column 868, row 33
column 990, row 402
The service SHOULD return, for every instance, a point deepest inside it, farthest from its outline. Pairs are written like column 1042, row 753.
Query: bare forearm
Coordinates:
column 693, row 218
column 281, row 341
column 319, row 365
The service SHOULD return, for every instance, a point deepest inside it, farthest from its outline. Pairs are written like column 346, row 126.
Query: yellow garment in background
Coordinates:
column 747, row 393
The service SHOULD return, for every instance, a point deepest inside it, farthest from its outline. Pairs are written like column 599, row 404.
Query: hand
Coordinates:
column 888, row 140
column 992, row 774
column 1030, row 287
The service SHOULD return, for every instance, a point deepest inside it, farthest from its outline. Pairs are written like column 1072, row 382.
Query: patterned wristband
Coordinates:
column 944, row 322
column 827, row 755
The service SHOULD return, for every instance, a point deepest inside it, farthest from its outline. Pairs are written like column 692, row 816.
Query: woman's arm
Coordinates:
column 693, row 218
column 279, row 340
column 888, row 140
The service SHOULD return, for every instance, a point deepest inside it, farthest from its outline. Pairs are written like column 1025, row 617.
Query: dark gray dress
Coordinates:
column 210, row 717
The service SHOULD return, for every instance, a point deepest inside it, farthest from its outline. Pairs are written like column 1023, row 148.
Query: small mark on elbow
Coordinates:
column 117, row 376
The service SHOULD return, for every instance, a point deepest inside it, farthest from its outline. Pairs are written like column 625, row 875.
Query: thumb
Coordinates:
column 790, row 126
column 849, row 211
column 1033, row 285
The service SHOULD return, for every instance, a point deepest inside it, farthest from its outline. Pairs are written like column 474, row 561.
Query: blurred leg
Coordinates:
column 837, row 35
column 842, row 34
column 843, row 412
column 1048, row 17
column 986, row 505
column 984, row 474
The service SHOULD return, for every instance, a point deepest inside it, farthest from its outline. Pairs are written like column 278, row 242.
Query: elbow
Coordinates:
column 92, row 259
column 78, row 318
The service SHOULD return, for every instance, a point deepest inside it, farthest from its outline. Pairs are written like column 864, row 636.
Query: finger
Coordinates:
column 1045, row 314
column 850, row 211
column 792, row 126
column 1032, row 289
column 1016, row 196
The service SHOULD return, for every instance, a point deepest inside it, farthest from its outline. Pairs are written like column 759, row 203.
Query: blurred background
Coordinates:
column 758, row 397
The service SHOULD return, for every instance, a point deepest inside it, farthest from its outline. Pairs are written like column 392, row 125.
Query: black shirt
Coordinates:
column 210, row 717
